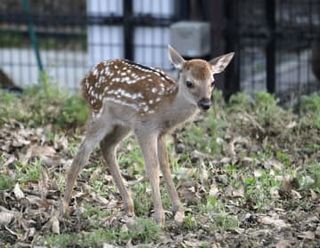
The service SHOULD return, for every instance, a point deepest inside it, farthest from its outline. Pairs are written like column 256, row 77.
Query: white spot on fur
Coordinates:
column 118, row 101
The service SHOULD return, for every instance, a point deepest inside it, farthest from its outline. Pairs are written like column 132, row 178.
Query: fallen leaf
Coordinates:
column 42, row 151
column 18, row 192
column 213, row 189
column 179, row 217
column 99, row 199
column 307, row 235
column 267, row 220
column 6, row 218
column 283, row 244
column 273, row 163
column 291, row 125
column 105, row 245
column 295, row 194
column 55, row 225
column 314, row 195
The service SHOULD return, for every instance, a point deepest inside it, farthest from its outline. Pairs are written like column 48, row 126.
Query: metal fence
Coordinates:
column 275, row 40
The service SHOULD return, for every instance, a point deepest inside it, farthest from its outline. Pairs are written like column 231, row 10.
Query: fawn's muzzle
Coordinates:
column 205, row 103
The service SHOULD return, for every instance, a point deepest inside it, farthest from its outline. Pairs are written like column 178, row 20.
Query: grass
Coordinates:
column 29, row 172
column 143, row 231
column 43, row 104
column 279, row 143
column 6, row 182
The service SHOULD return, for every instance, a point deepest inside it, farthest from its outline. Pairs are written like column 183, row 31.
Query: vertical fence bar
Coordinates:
column 215, row 14
column 232, row 76
column 32, row 34
column 270, row 7
column 128, row 29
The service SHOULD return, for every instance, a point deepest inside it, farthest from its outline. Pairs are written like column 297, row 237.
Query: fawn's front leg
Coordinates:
column 148, row 144
column 165, row 168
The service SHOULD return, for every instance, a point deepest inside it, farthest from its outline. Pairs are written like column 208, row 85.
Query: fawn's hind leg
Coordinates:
column 109, row 147
column 96, row 130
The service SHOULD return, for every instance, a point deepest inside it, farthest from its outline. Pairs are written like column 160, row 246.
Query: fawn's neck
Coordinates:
column 181, row 109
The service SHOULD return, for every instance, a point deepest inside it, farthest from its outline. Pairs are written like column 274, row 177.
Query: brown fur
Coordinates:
column 116, row 119
column 200, row 69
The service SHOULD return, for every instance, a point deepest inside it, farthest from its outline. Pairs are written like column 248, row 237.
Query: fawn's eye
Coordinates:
column 189, row 84
column 213, row 84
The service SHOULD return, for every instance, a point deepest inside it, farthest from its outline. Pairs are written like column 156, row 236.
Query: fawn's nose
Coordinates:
column 205, row 103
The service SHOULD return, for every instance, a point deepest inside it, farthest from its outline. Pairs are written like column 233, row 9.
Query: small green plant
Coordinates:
column 310, row 104
column 310, row 177
column 89, row 239
column 284, row 158
column 226, row 222
column 141, row 200
column 239, row 102
column 29, row 172
column 74, row 112
column 257, row 190
column 145, row 230
column 190, row 222
column 310, row 107
column 10, row 108
column 6, row 182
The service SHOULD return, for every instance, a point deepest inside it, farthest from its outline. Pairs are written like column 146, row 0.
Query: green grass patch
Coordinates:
column 6, row 182
column 29, row 172
column 142, row 231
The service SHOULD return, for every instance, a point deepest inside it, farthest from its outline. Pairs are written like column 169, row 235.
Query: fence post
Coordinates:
column 232, row 75
column 32, row 34
column 271, row 45
column 128, row 31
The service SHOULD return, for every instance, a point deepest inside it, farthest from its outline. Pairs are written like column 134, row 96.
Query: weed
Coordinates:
column 142, row 230
column 284, row 158
column 29, row 172
column 142, row 202
column 6, row 182
column 190, row 222
column 239, row 102
column 145, row 229
column 310, row 107
column 258, row 190
column 73, row 112
column 43, row 104
column 310, row 104
column 310, row 178
column 226, row 222
column 88, row 239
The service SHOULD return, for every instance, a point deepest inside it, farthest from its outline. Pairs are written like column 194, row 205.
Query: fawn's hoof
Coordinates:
column 159, row 218
column 178, row 213
column 179, row 216
column 63, row 208
column 129, row 209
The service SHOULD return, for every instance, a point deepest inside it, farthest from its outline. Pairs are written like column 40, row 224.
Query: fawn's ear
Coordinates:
column 220, row 63
column 175, row 58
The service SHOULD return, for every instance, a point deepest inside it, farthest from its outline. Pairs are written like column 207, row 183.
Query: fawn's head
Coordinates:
column 196, row 78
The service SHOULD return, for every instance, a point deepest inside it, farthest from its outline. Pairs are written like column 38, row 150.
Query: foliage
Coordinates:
column 43, row 104
column 244, row 166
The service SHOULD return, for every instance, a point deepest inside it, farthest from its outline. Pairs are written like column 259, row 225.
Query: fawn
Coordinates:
column 124, row 96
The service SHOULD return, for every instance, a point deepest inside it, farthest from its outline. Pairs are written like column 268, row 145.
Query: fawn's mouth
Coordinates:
column 204, row 104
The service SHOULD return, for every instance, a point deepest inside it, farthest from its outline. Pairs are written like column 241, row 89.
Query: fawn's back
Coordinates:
column 123, row 96
column 127, row 84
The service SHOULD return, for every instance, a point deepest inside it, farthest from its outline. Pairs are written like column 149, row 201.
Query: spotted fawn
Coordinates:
column 124, row 96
